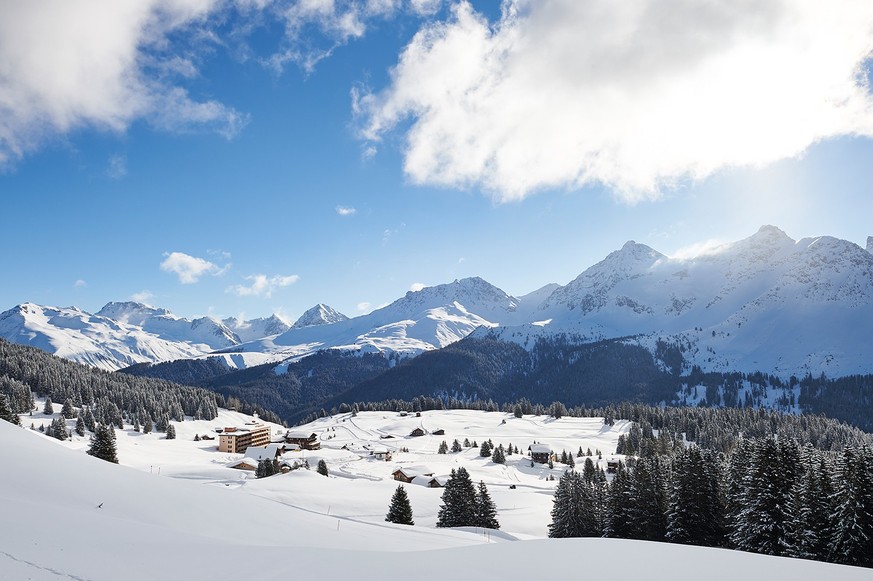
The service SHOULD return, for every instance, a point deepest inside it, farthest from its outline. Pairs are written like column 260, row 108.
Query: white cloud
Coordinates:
column 637, row 95
column 143, row 296
column 262, row 285
column 416, row 286
column 68, row 65
column 189, row 268
column 116, row 168
column 364, row 307
column 80, row 283
column 346, row 211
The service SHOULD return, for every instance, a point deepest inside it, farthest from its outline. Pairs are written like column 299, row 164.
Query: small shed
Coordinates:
column 440, row 432
column 417, row 432
column 612, row 466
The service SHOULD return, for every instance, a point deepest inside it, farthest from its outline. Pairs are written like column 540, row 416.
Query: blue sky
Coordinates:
column 249, row 157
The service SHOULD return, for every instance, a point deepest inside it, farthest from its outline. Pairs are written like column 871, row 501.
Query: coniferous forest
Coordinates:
column 768, row 495
column 110, row 398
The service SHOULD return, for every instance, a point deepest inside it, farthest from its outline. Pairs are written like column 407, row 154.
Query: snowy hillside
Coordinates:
column 174, row 510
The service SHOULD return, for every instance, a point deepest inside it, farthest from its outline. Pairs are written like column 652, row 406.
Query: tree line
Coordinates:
column 770, row 496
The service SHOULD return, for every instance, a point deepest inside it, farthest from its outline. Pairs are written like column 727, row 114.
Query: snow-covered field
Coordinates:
column 173, row 509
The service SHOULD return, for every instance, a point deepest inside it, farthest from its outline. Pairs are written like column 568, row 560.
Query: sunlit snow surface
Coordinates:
column 173, row 510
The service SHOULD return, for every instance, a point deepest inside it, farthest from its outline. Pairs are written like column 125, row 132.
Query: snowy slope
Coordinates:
column 150, row 526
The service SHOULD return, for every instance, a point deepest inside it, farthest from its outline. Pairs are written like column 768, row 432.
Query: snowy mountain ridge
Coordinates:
column 766, row 302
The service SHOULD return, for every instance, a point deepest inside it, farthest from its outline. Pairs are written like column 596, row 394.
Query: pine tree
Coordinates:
column 486, row 511
column 853, row 531
column 171, row 431
column 322, row 467
column 48, row 409
column 459, row 501
column 103, row 444
column 400, row 511
column 498, row 457
column 90, row 422
column 444, row 448
column 59, row 429
column 147, row 425
column 6, row 411
column 67, row 411
column 567, row 507
column 696, row 509
column 810, row 510
column 760, row 523
column 456, row 446
column 485, row 450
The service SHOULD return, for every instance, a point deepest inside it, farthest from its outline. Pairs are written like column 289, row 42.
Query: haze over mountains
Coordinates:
column 766, row 303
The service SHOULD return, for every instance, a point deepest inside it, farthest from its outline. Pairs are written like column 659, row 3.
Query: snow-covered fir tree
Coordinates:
column 486, row 510
column 458, row 508
column 400, row 510
column 103, row 444
column 852, row 540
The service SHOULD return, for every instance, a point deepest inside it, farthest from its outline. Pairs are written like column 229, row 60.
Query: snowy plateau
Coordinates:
column 765, row 303
column 173, row 509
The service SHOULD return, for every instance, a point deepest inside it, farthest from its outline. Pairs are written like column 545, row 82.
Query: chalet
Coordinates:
column 409, row 474
column 244, row 464
column 541, row 453
column 612, row 466
column 417, row 432
column 236, row 440
column 268, row 452
column 439, row 432
column 381, row 454
column 306, row 440
column 403, row 475
column 430, row 481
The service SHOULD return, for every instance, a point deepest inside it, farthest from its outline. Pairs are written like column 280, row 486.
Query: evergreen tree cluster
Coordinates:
column 463, row 505
column 267, row 467
column 769, row 495
column 111, row 397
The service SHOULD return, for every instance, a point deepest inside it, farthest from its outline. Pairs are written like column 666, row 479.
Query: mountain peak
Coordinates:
column 870, row 244
column 770, row 234
column 320, row 314
column 131, row 312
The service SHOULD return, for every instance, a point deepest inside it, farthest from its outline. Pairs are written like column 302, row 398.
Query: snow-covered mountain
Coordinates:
column 249, row 330
column 766, row 302
column 320, row 314
column 161, row 322
column 90, row 339
column 420, row 321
